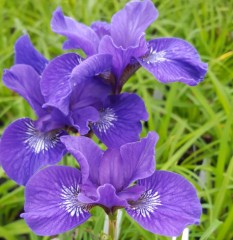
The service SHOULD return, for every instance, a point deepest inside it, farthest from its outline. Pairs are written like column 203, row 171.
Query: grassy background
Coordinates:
column 195, row 124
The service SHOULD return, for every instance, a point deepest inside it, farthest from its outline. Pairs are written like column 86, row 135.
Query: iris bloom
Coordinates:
column 26, row 145
column 115, row 119
column 168, row 59
column 114, row 52
column 160, row 201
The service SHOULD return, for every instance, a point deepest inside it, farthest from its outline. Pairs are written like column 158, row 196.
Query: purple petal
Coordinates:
column 53, row 120
column 91, row 67
column 82, row 117
column 107, row 198
column 173, row 59
column 68, row 80
column 101, row 28
column 87, row 153
column 116, row 171
column 78, row 35
column 129, row 24
column 24, row 80
column 137, row 154
column 88, row 89
column 24, row 149
column 167, row 206
column 119, row 167
column 90, row 92
column 121, row 57
column 54, row 208
column 111, row 169
column 25, row 53
column 120, row 120
column 55, row 83
column 131, row 193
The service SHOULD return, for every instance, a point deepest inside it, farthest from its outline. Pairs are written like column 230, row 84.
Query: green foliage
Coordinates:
column 194, row 123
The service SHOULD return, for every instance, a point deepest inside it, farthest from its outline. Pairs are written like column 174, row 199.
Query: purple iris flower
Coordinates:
column 72, row 85
column 76, row 86
column 119, row 121
column 168, row 59
column 26, row 145
column 79, row 36
column 160, row 201
column 65, row 92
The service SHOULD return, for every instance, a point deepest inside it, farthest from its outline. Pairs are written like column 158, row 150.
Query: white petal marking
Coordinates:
column 146, row 204
column 155, row 57
column 107, row 119
column 69, row 201
column 39, row 141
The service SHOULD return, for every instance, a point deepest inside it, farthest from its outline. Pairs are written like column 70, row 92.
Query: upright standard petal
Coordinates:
column 25, row 53
column 24, row 150
column 129, row 24
column 121, row 57
column 54, row 208
column 173, row 59
column 24, row 80
column 119, row 121
column 88, row 155
column 55, row 83
column 101, row 28
column 79, row 35
column 139, row 158
column 127, row 36
column 111, row 169
column 167, row 206
column 133, row 161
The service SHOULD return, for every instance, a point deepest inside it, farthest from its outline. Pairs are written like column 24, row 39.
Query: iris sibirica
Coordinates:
column 116, row 118
column 26, row 145
column 29, row 145
column 82, row 94
column 160, row 201
column 168, row 59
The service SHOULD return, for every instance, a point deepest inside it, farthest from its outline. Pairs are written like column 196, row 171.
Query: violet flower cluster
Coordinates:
column 71, row 94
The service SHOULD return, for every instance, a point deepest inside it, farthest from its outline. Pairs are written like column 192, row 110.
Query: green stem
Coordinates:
column 112, row 226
